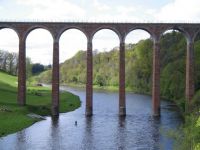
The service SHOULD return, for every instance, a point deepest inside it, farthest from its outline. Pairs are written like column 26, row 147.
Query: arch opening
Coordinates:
column 138, row 68
column 185, row 34
column 106, row 29
column 39, row 54
column 106, row 62
column 173, row 66
column 73, row 45
column 9, row 47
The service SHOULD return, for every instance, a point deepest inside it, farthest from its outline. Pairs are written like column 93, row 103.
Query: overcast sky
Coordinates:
column 39, row 42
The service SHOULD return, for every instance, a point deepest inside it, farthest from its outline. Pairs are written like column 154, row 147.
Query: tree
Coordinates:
column 37, row 68
column 99, row 80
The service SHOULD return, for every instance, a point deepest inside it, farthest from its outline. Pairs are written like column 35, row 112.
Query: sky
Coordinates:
column 39, row 41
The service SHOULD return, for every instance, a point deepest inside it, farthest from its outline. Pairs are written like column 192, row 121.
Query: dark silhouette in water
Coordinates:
column 75, row 123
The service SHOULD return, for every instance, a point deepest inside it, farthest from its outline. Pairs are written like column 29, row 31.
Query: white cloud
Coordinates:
column 39, row 46
column 105, row 40
column 136, row 35
column 9, row 40
column 71, row 42
column 180, row 10
column 100, row 6
column 120, row 13
column 53, row 10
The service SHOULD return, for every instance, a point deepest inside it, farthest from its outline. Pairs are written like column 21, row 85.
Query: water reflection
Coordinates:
column 87, row 142
column 121, row 136
column 54, row 139
column 20, row 139
column 154, row 131
column 122, row 121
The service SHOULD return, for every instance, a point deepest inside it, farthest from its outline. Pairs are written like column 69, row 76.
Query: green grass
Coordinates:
column 14, row 118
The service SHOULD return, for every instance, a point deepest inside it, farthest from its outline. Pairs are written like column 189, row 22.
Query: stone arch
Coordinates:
column 34, row 39
column 32, row 28
column 195, row 34
column 114, row 39
column 180, row 29
column 138, row 28
column 72, row 27
column 10, row 27
column 109, row 28
column 10, row 45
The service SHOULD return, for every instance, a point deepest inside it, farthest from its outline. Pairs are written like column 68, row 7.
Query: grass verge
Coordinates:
column 14, row 118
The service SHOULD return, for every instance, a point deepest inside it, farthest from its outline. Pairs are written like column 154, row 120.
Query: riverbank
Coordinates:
column 104, row 88
column 14, row 118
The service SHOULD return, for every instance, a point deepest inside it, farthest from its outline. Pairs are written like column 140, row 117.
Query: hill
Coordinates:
column 14, row 117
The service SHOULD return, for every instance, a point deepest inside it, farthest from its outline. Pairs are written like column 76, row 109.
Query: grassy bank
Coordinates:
column 14, row 117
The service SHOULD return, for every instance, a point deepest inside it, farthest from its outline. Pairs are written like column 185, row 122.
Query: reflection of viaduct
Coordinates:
column 89, row 29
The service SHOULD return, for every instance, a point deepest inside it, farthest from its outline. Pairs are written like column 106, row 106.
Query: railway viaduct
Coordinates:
column 190, row 30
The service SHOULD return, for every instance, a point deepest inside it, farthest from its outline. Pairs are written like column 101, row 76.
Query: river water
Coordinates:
column 105, row 130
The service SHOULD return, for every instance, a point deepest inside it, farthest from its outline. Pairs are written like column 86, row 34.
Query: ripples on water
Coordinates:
column 105, row 130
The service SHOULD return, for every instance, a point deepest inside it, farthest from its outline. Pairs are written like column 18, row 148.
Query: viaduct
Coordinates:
column 190, row 30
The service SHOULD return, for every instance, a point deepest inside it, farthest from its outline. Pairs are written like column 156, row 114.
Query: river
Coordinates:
column 105, row 130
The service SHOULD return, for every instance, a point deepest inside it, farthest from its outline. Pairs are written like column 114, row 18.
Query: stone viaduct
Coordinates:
column 155, row 30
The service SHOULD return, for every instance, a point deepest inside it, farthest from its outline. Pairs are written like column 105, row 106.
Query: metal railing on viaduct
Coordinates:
column 190, row 30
